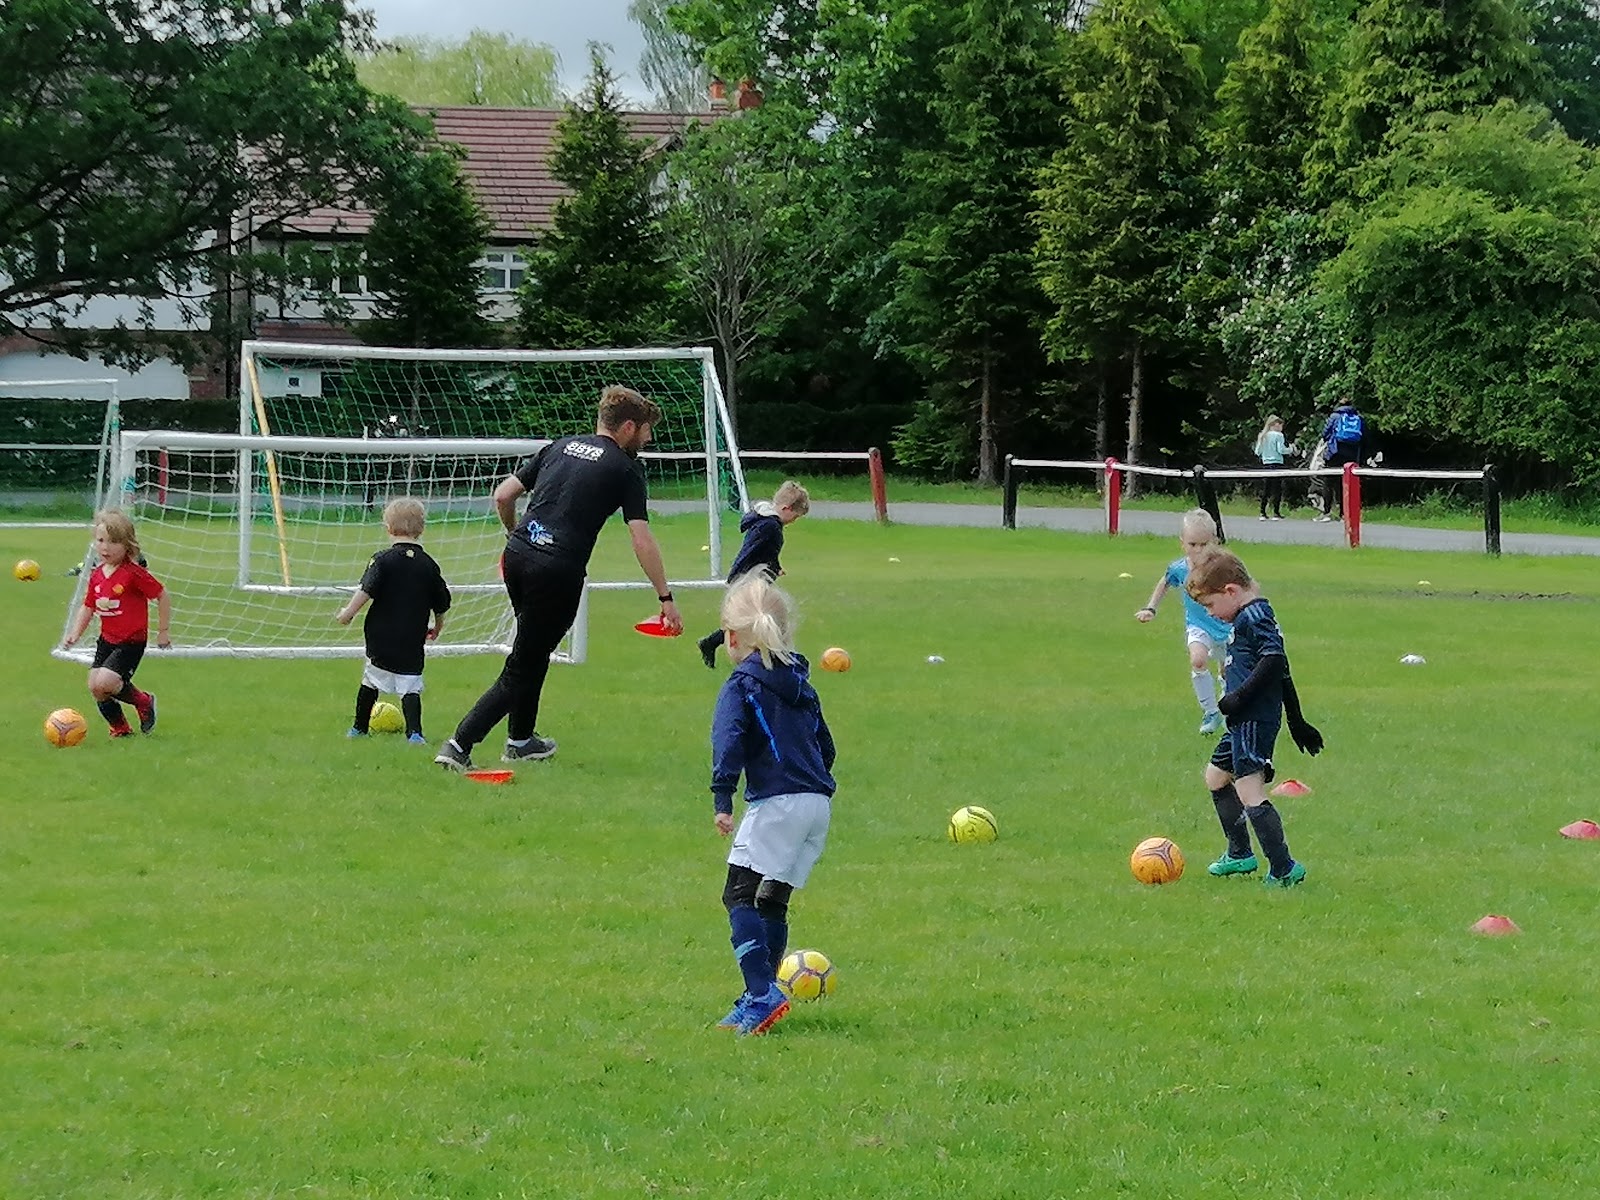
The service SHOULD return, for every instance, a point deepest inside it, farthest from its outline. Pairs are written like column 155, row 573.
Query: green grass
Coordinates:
column 245, row 957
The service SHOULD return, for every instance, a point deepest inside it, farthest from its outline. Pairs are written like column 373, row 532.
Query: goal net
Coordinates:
column 262, row 534
column 54, row 440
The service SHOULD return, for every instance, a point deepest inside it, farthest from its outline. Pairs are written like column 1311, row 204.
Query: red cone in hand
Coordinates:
column 1581, row 829
column 1494, row 925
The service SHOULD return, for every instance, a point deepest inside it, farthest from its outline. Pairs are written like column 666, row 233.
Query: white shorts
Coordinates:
column 782, row 837
column 388, row 681
column 1215, row 649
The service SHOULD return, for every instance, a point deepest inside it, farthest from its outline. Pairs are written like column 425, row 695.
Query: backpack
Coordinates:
column 1347, row 427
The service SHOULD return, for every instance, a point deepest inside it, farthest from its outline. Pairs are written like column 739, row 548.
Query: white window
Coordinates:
column 345, row 278
column 503, row 270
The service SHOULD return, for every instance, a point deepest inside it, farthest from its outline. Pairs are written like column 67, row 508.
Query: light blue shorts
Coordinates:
column 782, row 837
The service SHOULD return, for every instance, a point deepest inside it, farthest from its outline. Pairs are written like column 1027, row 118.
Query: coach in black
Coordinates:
column 574, row 485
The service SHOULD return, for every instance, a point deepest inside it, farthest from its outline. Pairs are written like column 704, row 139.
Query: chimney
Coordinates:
column 749, row 96
column 719, row 94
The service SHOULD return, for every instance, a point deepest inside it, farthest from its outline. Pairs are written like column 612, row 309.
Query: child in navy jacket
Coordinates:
column 762, row 528
column 769, row 727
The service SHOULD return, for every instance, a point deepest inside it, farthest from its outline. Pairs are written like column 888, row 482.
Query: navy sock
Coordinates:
column 411, row 706
column 1230, row 814
column 750, row 948
column 777, row 941
column 1269, row 832
column 112, row 712
column 366, row 697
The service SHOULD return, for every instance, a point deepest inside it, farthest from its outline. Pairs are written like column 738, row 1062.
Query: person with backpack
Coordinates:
column 1343, row 434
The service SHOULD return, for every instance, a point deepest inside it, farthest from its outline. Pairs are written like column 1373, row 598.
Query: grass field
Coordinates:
column 245, row 957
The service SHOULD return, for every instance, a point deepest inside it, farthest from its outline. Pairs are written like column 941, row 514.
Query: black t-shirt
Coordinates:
column 574, row 485
column 406, row 587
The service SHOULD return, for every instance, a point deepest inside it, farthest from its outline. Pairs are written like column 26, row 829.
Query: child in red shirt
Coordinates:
column 119, row 593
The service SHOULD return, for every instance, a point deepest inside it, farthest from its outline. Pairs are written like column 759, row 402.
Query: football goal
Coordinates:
column 262, row 534
column 55, row 436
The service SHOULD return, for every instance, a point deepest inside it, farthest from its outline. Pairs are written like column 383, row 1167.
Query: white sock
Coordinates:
column 1205, row 690
column 518, row 744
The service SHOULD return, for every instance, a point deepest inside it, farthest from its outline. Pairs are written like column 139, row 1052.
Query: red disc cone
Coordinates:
column 1581, row 829
column 1291, row 787
column 1494, row 925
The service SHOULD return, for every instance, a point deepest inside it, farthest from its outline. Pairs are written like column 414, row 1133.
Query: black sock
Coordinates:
column 1269, row 832
column 365, row 699
column 112, row 712
column 411, row 705
column 1230, row 814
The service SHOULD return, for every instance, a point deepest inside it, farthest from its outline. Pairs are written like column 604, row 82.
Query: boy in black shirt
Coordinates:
column 1259, row 691
column 406, row 587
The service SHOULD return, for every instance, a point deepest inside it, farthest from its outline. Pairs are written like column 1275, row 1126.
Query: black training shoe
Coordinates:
column 453, row 758
column 536, row 748
column 708, row 652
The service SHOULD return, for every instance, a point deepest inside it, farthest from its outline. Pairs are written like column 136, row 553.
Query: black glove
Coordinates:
column 1228, row 703
column 1306, row 736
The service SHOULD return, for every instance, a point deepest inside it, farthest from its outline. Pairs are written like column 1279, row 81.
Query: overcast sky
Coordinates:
column 566, row 26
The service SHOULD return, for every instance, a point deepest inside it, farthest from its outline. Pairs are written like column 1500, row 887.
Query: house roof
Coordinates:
column 508, row 152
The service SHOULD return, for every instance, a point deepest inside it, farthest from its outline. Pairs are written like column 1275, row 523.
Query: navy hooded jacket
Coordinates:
column 763, row 541
column 769, row 726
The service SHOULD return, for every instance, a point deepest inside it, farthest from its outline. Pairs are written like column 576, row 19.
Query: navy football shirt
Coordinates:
column 1255, row 636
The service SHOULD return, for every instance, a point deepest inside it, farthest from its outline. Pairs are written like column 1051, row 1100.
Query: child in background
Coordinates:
column 763, row 541
column 1260, row 691
column 119, row 593
column 768, row 726
column 1204, row 635
column 1270, row 449
column 406, row 587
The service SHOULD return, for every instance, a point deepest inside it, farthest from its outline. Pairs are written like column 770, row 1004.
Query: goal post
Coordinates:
column 262, row 535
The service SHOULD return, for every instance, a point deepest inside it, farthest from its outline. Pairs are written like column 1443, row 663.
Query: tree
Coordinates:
column 965, row 305
column 669, row 64
column 739, row 230
column 130, row 147
column 484, row 68
column 1566, row 34
column 422, row 257
column 600, row 276
column 1120, row 202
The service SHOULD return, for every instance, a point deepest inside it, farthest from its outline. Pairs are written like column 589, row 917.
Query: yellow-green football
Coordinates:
column 27, row 570
column 386, row 718
column 973, row 824
column 807, row 975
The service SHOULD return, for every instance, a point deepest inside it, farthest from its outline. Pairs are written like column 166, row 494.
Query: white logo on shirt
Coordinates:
column 584, row 451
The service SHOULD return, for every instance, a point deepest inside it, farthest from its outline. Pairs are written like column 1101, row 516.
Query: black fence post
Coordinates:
column 1491, row 510
column 1008, row 510
column 1206, row 495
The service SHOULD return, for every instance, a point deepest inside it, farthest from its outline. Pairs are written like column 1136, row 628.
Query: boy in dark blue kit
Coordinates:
column 762, row 528
column 1260, row 691
column 768, row 727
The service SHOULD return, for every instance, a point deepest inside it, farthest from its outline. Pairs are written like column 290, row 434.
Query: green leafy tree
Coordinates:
column 1566, row 34
column 130, row 146
column 600, row 276
column 1470, row 285
column 965, row 306
column 670, row 65
column 422, row 256
column 482, row 68
column 745, row 240
column 1120, row 203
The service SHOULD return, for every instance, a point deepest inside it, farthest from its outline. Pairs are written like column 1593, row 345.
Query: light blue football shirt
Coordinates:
column 1194, row 613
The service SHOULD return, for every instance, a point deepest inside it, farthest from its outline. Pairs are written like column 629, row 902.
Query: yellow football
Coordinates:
column 65, row 727
column 973, row 824
column 835, row 658
column 386, row 718
column 1157, row 860
column 27, row 570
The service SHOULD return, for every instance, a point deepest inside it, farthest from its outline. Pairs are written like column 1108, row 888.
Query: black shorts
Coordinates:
column 1246, row 749
column 121, row 657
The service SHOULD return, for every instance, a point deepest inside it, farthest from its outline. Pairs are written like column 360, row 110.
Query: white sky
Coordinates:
column 566, row 26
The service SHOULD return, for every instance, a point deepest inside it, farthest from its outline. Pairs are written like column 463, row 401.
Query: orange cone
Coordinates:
column 1494, row 925
column 1581, row 829
column 1291, row 787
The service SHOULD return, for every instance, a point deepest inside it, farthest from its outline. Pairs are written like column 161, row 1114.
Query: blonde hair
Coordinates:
column 619, row 405
column 405, row 517
column 763, row 615
column 791, row 495
column 1198, row 520
column 119, row 529
column 1215, row 570
column 1266, row 428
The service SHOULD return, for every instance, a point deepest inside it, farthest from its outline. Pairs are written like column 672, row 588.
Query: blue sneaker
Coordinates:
column 762, row 1014
column 416, row 739
column 1214, row 723
column 355, row 733
column 735, row 1015
column 1295, row 875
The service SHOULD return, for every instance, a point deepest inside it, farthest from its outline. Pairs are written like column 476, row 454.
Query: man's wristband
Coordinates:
column 666, row 599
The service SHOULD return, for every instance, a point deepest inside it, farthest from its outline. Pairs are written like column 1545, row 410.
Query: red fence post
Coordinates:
column 161, row 480
column 1352, row 505
column 880, row 491
column 1113, row 497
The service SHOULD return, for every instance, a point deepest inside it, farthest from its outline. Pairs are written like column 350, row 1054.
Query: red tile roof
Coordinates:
column 507, row 154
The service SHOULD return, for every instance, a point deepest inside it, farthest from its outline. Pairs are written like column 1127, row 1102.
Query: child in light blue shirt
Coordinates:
column 1204, row 636
column 1270, row 449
